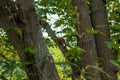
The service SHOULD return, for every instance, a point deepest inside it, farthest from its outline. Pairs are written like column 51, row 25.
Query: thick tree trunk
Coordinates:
column 41, row 65
column 99, row 21
column 87, row 40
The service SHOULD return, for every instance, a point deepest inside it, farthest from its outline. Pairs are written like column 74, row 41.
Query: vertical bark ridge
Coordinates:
column 87, row 41
column 99, row 22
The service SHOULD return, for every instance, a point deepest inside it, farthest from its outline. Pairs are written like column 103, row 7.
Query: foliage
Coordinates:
column 65, row 24
column 63, row 68
column 10, row 68
column 74, row 53
column 114, row 22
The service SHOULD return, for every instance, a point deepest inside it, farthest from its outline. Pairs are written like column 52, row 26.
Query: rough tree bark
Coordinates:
column 24, row 18
column 87, row 40
column 99, row 21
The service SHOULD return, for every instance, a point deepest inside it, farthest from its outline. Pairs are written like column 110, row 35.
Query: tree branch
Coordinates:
column 59, row 41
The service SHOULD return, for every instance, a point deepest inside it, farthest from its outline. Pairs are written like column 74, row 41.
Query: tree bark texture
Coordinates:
column 99, row 21
column 87, row 40
column 41, row 65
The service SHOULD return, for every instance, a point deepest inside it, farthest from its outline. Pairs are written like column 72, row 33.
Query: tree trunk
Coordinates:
column 99, row 21
column 87, row 40
column 22, row 28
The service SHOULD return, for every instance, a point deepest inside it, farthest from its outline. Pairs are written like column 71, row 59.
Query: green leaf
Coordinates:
column 116, row 63
column 67, row 30
column 74, row 52
column 25, row 63
column 109, row 44
column 19, row 31
column 31, row 49
column 59, row 22
column 93, row 31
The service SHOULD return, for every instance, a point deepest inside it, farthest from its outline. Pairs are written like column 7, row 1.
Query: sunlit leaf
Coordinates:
column 93, row 31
